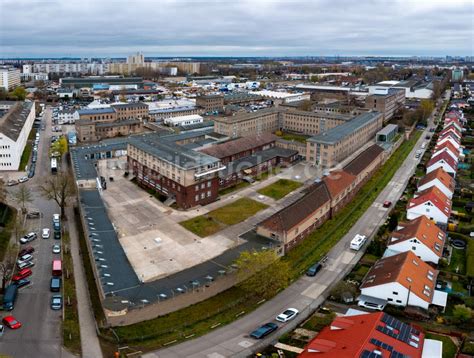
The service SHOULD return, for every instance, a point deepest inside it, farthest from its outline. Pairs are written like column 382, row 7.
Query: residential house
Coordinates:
column 449, row 137
column 368, row 335
column 420, row 236
column 448, row 148
column 403, row 280
column 440, row 179
column 432, row 203
column 445, row 161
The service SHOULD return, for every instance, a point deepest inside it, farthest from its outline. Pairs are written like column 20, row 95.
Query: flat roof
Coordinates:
column 115, row 271
column 340, row 132
column 242, row 117
column 101, row 79
column 87, row 111
column 170, row 152
column 389, row 128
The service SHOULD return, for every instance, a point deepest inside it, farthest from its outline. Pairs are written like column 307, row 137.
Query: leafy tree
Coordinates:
column 262, row 273
column 427, row 106
column 3, row 94
column 462, row 313
column 60, row 146
column 59, row 188
column 393, row 221
column 23, row 196
column 18, row 94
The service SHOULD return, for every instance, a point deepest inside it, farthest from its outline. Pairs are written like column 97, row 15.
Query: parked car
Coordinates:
column 264, row 330
column 22, row 274
column 26, row 250
column 12, row 182
column 313, row 270
column 33, row 214
column 28, row 237
column 25, row 257
column 287, row 315
column 56, row 218
column 56, row 249
column 23, row 179
column 46, row 233
column 57, row 235
column 25, row 264
column 56, row 302
column 22, row 283
column 11, row 322
column 55, row 285
column 387, row 204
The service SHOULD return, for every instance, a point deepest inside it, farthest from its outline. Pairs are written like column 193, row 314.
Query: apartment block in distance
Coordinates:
column 16, row 121
column 9, row 77
column 182, row 175
column 328, row 148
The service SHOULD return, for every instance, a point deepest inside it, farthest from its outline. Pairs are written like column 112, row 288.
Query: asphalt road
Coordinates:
column 306, row 294
column 40, row 335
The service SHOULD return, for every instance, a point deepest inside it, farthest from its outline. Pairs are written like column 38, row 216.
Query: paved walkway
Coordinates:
column 89, row 340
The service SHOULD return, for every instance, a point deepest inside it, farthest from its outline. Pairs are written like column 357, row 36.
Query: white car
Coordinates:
column 28, row 237
column 56, row 249
column 24, row 258
column 23, row 179
column 56, row 218
column 45, row 233
column 287, row 315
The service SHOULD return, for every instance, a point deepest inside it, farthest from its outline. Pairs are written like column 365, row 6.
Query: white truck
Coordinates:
column 358, row 241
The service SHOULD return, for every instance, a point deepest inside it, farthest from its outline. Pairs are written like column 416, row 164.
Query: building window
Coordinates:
column 196, row 198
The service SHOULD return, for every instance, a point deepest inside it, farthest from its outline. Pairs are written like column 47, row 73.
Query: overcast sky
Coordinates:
column 35, row 28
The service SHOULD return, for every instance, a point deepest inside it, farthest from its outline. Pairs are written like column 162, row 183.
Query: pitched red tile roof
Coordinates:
column 447, row 146
column 442, row 176
column 435, row 196
column 338, row 181
column 366, row 333
column 424, row 230
column 290, row 216
column 239, row 145
column 406, row 269
column 443, row 156
column 363, row 160
column 448, row 135
column 450, row 129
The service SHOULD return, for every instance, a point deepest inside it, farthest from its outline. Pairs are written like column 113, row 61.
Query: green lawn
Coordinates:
column 449, row 348
column 225, row 307
column 71, row 330
column 294, row 136
column 219, row 219
column 280, row 189
column 458, row 262
column 25, row 157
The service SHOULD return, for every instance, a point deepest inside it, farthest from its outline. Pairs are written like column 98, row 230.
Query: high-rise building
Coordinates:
column 137, row 59
column 9, row 77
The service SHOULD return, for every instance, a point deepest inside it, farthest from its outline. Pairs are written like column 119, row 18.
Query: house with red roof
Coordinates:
column 448, row 122
column 445, row 161
column 402, row 280
column 366, row 335
column 448, row 147
column 451, row 129
column 440, row 179
column 420, row 236
column 449, row 137
column 432, row 203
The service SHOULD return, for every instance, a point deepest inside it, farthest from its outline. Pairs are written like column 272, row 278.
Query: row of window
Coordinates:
column 5, row 155
column 203, row 196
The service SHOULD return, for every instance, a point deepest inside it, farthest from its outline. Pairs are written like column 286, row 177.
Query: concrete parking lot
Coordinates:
column 154, row 243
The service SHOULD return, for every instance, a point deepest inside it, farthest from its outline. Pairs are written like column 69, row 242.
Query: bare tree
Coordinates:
column 59, row 188
column 7, row 266
column 23, row 196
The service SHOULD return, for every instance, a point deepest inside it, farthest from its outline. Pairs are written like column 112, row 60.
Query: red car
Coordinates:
column 11, row 322
column 22, row 274
column 387, row 204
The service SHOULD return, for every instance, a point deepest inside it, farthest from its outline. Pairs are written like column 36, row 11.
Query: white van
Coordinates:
column 423, row 145
column 358, row 241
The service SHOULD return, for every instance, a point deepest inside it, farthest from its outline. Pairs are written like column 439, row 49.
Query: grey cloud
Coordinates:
column 235, row 28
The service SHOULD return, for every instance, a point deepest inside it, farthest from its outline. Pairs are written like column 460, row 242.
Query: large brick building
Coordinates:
column 210, row 102
column 321, row 201
column 121, row 119
column 179, row 173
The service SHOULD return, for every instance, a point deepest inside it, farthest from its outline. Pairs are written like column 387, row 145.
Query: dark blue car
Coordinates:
column 264, row 330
